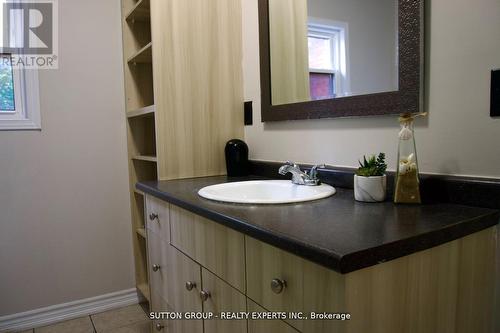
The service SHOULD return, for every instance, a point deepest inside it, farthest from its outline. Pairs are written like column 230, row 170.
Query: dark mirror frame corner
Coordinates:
column 409, row 97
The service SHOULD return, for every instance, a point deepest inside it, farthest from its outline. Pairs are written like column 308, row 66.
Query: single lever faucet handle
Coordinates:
column 313, row 174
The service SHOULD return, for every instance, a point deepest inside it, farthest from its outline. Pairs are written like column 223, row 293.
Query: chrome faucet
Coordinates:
column 300, row 177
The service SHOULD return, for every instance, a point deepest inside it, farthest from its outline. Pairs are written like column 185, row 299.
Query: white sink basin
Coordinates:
column 265, row 192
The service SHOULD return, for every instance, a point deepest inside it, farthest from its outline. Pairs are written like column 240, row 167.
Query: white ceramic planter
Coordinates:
column 370, row 189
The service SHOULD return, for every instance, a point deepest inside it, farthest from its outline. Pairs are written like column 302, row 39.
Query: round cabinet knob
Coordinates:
column 190, row 285
column 156, row 268
column 159, row 327
column 153, row 216
column 204, row 295
column 278, row 285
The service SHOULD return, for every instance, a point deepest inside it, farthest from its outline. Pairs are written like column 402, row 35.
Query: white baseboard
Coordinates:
column 60, row 312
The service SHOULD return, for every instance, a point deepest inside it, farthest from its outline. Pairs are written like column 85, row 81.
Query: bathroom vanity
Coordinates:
column 427, row 268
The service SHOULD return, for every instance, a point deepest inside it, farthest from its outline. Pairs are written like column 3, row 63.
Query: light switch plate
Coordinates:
column 248, row 113
column 495, row 93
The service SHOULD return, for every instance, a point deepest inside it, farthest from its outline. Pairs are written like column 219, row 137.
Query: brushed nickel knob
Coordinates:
column 159, row 327
column 278, row 285
column 204, row 295
column 190, row 285
column 153, row 216
column 156, row 268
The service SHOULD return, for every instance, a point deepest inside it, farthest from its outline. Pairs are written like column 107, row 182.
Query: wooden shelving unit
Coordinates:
column 138, row 192
column 144, row 290
column 139, row 12
column 178, row 121
column 145, row 158
column 143, row 56
column 141, row 232
column 140, row 115
column 141, row 112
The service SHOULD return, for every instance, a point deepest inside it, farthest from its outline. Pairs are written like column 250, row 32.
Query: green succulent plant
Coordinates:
column 373, row 166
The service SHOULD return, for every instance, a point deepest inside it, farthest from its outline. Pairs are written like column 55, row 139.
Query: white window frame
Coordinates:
column 27, row 98
column 337, row 32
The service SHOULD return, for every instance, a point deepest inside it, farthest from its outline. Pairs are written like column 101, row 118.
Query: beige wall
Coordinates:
column 64, row 207
column 459, row 137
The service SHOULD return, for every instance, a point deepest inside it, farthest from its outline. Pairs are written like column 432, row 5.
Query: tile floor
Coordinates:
column 130, row 319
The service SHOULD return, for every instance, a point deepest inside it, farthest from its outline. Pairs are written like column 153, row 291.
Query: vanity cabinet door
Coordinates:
column 280, row 281
column 160, row 270
column 218, row 248
column 223, row 298
column 162, row 325
column 324, row 291
column 275, row 278
column 259, row 326
column 157, row 217
column 184, row 291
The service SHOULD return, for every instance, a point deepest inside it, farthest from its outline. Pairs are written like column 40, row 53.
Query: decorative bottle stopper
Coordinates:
column 407, row 182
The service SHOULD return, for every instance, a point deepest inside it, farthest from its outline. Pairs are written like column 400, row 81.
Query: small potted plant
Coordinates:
column 370, row 180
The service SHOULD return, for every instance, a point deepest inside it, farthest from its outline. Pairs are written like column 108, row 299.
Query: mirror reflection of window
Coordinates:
column 327, row 59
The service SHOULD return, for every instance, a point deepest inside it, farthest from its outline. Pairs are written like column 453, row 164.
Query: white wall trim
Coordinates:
column 65, row 311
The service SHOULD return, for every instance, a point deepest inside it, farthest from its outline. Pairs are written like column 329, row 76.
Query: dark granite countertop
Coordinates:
column 336, row 232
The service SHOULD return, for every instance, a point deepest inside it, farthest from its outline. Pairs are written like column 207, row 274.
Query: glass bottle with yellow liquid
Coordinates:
column 407, row 181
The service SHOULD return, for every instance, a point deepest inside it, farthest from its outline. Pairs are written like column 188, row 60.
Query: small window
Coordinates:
column 7, row 100
column 19, row 91
column 322, row 85
column 327, row 60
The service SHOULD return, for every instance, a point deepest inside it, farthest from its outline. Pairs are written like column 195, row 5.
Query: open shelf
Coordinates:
column 144, row 171
column 144, row 290
column 141, row 232
column 139, row 221
column 145, row 158
column 141, row 112
column 142, row 138
column 140, row 12
column 143, row 56
column 139, row 85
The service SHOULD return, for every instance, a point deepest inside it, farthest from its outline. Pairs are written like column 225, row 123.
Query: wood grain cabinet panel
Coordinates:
column 324, row 291
column 197, row 55
column 266, row 263
column 160, row 270
column 445, row 289
column 183, row 300
column 261, row 326
column 220, row 249
column 309, row 287
column 157, row 217
column 223, row 298
column 163, row 325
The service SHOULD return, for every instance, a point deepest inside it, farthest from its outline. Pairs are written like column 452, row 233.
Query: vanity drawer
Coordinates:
column 218, row 248
column 157, row 217
column 307, row 287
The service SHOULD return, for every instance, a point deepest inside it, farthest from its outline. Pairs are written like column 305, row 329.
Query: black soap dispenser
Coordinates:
column 237, row 158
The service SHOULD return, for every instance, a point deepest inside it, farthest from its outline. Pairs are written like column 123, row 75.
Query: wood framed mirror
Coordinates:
column 340, row 58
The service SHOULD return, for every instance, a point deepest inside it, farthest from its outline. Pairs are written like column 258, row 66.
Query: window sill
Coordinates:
column 20, row 125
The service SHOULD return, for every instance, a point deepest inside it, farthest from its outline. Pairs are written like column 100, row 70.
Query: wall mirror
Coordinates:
column 340, row 58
